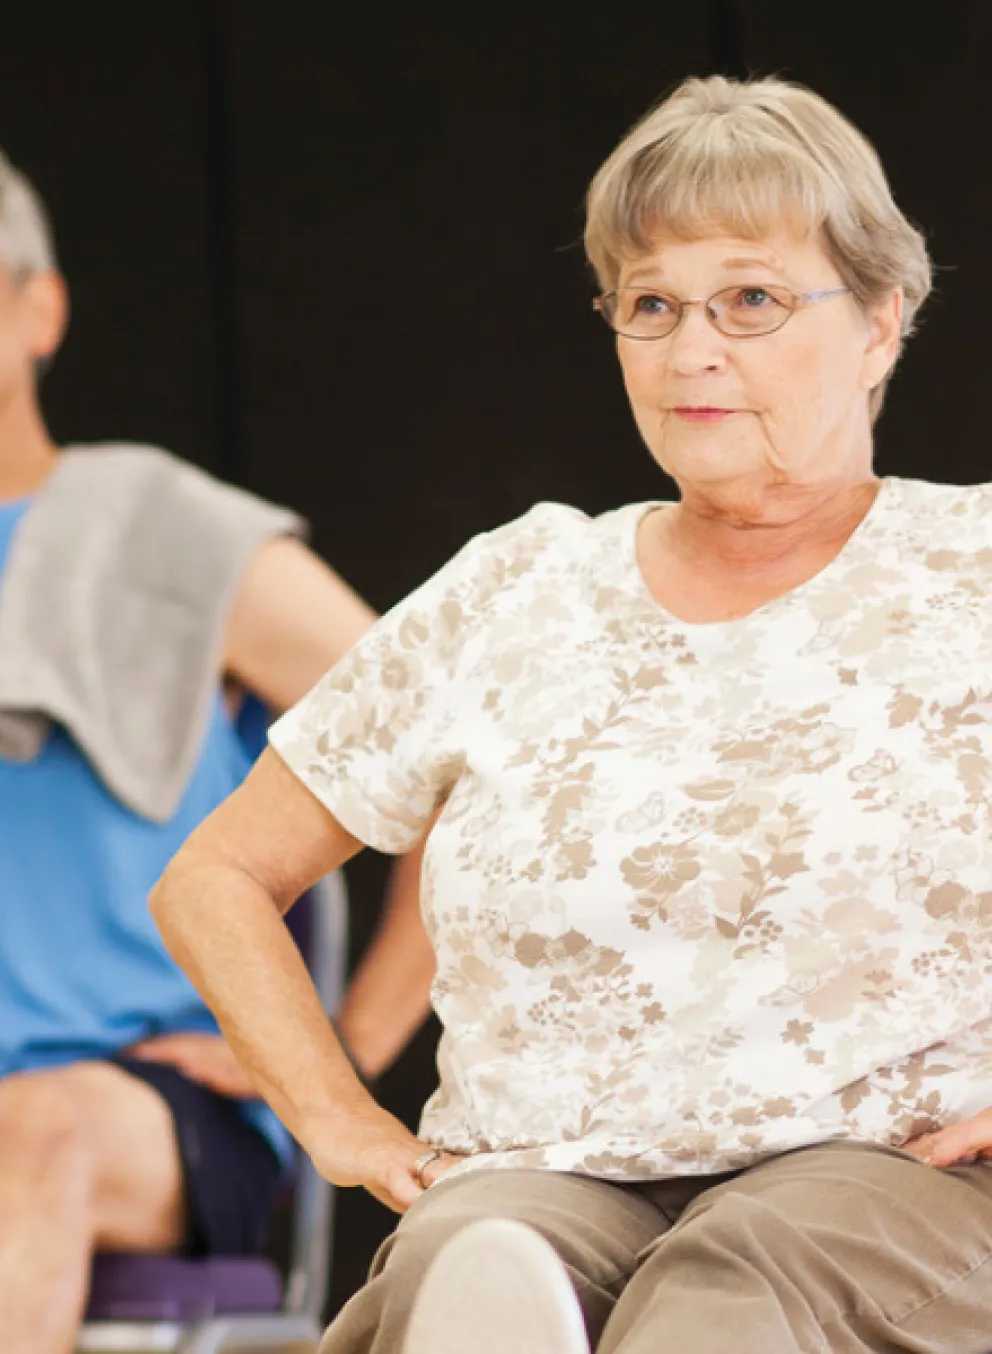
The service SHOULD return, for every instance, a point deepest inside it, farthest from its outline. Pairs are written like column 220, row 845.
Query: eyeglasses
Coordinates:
column 737, row 312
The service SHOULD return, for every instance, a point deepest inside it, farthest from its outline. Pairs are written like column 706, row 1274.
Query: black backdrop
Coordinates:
column 330, row 252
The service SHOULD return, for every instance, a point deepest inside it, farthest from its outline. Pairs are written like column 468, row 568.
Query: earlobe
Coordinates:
column 884, row 339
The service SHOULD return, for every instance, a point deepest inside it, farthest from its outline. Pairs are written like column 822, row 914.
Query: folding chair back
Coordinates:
column 143, row 1304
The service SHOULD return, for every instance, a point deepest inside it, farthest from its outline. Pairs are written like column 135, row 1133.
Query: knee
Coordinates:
column 43, row 1134
column 421, row 1233
column 740, row 1228
column 443, row 1212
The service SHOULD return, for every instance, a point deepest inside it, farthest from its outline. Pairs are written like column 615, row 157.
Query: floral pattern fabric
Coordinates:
column 699, row 893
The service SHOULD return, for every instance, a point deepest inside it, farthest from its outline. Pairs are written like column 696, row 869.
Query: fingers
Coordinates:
column 919, row 1147
column 432, row 1173
column 161, row 1043
column 154, row 1054
column 218, row 1073
column 222, row 1084
column 148, row 1049
column 398, row 1187
column 397, row 1190
column 372, row 1149
column 189, row 1042
column 170, row 1049
column 404, row 1188
column 958, row 1143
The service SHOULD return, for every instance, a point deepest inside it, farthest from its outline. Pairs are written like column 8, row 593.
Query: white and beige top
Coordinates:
column 699, row 893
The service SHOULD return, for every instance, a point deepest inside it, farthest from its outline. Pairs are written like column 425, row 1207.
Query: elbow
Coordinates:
column 162, row 900
column 156, row 899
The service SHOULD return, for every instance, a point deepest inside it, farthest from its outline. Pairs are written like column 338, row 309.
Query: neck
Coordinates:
column 27, row 452
column 758, row 534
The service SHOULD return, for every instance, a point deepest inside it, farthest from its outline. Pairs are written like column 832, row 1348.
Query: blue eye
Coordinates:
column 754, row 298
column 650, row 303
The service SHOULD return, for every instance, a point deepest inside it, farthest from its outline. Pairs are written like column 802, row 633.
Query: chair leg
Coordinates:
column 277, row 1334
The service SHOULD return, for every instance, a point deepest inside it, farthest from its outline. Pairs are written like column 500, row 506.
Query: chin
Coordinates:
column 711, row 466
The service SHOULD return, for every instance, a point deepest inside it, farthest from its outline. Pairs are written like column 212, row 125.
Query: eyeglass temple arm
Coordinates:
column 811, row 297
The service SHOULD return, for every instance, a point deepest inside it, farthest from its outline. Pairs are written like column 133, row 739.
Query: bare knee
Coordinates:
column 103, row 1141
column 44, row 1144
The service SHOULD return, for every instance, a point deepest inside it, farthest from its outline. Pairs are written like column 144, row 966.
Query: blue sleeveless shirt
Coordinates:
column 83, row 970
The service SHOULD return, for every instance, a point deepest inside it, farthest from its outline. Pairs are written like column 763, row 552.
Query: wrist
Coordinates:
column 318, row 1125
column 348, row 1049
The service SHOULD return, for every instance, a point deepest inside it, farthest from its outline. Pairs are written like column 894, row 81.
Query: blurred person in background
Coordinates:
column 150, row 619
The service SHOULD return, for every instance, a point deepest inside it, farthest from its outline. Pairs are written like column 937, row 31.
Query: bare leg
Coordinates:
column 88, row 1160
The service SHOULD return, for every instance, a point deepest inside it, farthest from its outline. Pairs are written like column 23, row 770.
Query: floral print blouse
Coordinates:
column 699, row 893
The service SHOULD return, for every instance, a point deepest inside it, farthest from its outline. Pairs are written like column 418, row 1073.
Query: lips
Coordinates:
column 698, row 413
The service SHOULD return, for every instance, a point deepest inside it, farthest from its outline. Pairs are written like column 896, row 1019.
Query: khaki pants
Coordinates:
column 838, row 1249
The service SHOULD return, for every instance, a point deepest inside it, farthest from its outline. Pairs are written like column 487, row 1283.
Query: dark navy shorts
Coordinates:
column 232, row 1175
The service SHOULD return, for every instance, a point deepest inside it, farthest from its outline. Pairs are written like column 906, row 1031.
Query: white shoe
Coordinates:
column 496, row 1288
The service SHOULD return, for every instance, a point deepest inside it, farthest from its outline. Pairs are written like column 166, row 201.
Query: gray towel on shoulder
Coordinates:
column 113, row 610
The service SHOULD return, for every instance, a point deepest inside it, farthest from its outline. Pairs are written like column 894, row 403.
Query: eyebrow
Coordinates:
column 738, row 261
column 747, row 260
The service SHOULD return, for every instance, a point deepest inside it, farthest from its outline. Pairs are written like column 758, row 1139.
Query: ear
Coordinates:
column 884, row 323
column 45, row 312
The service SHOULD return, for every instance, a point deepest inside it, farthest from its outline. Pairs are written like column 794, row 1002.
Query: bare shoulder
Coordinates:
column 293, row 617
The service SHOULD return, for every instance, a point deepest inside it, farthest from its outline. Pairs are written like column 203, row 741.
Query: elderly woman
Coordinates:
column 709, row 876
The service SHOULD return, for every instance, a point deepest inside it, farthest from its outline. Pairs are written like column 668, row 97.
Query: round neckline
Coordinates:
column 861, row 532
column 9, row 504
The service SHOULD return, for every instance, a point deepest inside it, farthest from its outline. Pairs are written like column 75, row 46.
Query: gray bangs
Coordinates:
column 695, row 191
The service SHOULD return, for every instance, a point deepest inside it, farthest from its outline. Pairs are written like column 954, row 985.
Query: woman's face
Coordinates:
column 743, row 415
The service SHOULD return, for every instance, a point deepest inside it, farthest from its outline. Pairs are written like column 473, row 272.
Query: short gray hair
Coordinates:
column 748, row 156
column 26, row 241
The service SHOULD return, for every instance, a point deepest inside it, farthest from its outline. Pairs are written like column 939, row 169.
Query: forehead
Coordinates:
column 718, row 257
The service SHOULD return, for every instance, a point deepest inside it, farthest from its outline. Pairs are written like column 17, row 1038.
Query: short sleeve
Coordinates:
column 376, row 738
column 381, row 739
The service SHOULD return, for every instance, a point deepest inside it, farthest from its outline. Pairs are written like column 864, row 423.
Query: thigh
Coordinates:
column 596, row 1226
column 900, row 1232
column 169, row 1164
column 230, row 1172
column 882, row 1201
column 850, row 1247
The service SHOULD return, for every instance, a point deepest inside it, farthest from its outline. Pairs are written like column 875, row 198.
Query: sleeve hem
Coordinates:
column 354, row 810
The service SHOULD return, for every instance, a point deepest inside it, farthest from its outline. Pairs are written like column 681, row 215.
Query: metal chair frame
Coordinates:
column 298, row 1327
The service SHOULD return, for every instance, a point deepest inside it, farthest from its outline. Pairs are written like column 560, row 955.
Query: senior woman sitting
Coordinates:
column 710, row 875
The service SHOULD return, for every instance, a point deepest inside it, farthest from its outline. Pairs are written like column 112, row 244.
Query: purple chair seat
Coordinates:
column 166, row 1288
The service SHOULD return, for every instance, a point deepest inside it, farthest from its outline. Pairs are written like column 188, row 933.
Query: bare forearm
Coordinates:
column 225, row 931
column 219, row 906
column 388, row 998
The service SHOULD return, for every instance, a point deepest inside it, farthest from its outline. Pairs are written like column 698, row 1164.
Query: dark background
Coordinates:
column 331, row 253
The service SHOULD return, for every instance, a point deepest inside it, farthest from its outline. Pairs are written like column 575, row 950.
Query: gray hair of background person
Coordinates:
column 26, row 242
column 749, row 158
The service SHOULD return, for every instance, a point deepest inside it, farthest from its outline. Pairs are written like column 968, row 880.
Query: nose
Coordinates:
column 696, row 345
